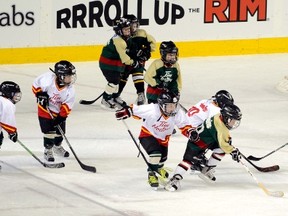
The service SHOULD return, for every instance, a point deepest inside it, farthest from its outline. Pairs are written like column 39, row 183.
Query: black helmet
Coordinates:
column 168, row 47
column 120, row 24
column 65, row 68
column 131, row 18
column 168, row 103
column 11, row 90
column 222, row 97
column 231, row 112
column 134, row 22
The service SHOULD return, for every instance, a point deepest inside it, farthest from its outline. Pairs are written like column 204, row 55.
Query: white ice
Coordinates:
column 120, row 185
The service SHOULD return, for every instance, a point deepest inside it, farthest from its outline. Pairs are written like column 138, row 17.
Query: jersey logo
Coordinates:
column 167, row 77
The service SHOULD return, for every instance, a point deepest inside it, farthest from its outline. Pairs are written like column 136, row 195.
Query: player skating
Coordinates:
column 158, row 123
column 54, row 90
column 113, row 61
column 213, row 133
column 197, row 114
column 10, row 94
column 164, row 74
column 140, row 46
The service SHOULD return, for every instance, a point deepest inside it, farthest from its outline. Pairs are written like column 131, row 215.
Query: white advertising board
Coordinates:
column 40, row 23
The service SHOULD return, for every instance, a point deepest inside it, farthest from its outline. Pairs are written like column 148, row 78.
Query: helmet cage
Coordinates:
column 134, row 23
column 65, row 73
column 231, row 116
column 168, row 47
column 11, row 91
column 168, row 104
column 120, row 24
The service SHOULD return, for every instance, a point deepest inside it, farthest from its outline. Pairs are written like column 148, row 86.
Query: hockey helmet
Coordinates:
column 168, row 103
column 134, row 22
column 10, row 90
column 168, row 47
column 231, row 115
column 119, row 25
column 65, row 72
column 223, row 97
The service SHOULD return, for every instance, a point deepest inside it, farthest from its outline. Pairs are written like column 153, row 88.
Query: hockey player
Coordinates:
column 213, row 133
column 112, row 63
column 197, row 114
column 164, row 74
column 10, row 94
column 140, row 46
column 54, row 90
column 156, row 130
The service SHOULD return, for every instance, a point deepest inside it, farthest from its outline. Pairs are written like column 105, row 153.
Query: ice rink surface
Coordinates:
column 120, row 185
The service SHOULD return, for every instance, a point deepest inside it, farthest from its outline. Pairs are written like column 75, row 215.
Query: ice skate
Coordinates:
column 207, row 174
column 153, row 180
column 108, row 104
column 59, row 150
column 174, row 183
column 141, row 99
column 119, row 102
column 48, row 155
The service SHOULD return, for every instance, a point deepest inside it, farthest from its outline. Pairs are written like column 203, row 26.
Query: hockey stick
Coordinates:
column 134, row 140
column 142, row 154
column 260, row 158
column 269, row 193
column 87, row 102
column 262, row 169
column 83, row 166
column 55, row 165
column 184, row 109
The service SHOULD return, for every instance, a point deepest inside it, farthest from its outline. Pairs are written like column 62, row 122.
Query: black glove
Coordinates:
column 42, row 99
column 137, row 64
column 123, row 113
column 13, row 137
column 193, row 135
column 236, row 155
column 1, row 138
column 58, row 120
column 143, row 55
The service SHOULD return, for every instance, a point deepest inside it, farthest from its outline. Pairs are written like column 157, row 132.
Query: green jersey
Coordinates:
column 214, row 134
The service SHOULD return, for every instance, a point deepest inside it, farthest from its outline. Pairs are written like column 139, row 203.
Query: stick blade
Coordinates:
column 268, row 169
column 88, row 168
column 85, row 102
column 253, row 158
column 55, row 165
column 275, row 193
column 271, row 193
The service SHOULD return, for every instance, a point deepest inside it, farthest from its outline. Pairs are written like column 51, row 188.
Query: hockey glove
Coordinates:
column 1, row 138
column 123, row 113
column 193, row 135
column 137, row 64
column 58, row 120
column 42, row 99
column 13, row 137
column 236, row 155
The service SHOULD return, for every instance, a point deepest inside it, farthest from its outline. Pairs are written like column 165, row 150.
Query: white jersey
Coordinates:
column 201, row 111
column 157, row 125
column 61, row 99
column 7, row 115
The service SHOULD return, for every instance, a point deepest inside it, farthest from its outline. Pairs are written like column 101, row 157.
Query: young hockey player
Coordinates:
column 10, row 94
column 156, row 130
column 164, row 74
column 54, row 90
column 140, row 46
column 113, row 61
column 213, row 133
column 197, row 114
